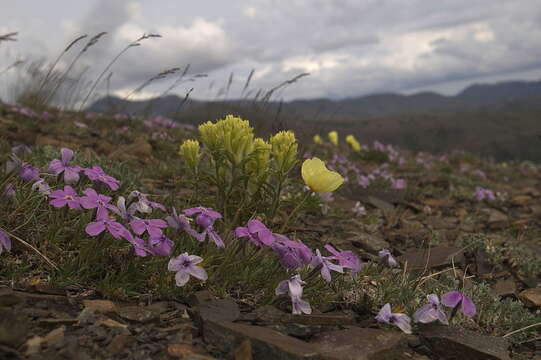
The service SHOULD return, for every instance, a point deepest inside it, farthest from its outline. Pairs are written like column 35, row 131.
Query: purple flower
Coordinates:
column 399, row 184
column 453, row 299
column 387, row 258
column 116, row 229
column 401, row 320
column 120, row 209
column 185, row 265
column 256, row 232
column 5, row 241
column 292, row 254
column 326, row 266
column 93, row 200
column 143, row 204
column 160, row 245
column 431, row 312
column 205, row 220
column 152, row 226
column 179, row 222
column 345, row 258
column 9, row 191
column 293, row 288
column 68, row 196
column 42, row 186
column 481, row 194
column 363, row 181
column 140, row 247
column 96, row 173
column 71, row 173
column 28, row 172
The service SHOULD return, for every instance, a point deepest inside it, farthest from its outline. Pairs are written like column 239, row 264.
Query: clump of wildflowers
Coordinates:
column 68, row 197
column 256, row 232
column 481, row 194
column 455, row 299
column 96, row 173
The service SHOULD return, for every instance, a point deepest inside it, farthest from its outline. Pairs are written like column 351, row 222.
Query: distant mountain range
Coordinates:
column 500, row 120
column 504, row 95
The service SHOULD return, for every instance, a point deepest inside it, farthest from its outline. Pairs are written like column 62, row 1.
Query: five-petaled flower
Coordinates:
column 454, row 299
column 326, row 266
column 291, row 254
column 116, row 229
column 398, row 319
column 71, row 173
column 68, row 196
column 185, row 265
column 293, row 287
column 93, row 200
column 387, row 258
column 96, row 173
column 5, row 241
column 205, row 219
column 256, row 232
column 160, row 245
column 346, row 258
column 431, row 312
column 152, row 226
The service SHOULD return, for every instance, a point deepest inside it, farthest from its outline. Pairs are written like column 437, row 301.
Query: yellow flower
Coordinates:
column 284, row 149
column 259, row 162
column 318, row 178
column 333, row 137
column 317, row 139
column 355, row 145
column 190, row 152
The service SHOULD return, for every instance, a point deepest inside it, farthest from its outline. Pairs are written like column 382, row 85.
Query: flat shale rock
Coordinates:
column 452, row 343
column 138, row 314
column 217, row 310
column 531, row 297
column 14, row 327
column 267, row 344
column 362, row 344
column 369, row 242
column 435, row 257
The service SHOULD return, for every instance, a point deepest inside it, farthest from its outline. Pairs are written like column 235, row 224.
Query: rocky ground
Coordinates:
column 434, row 226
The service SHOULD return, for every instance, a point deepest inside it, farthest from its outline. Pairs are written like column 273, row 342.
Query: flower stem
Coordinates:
column 293, row 214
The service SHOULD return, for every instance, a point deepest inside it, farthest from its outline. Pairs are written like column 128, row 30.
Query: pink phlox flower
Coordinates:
column 160, row 245
column 326, row 266
column 93, row 200
column 363, row 181
column 399, row 184
column 292, row 254
column 185, row 265
column 9, row 191
column 346, row 258
column 116, row 229
column 398, row 319
column 176, row 221
column 71, row 173
column 431, row 312
column 96, row 173
column 125, row 213
column 152, row 226
column 256, row 232
column 479, row 173
column 481, row 194
column 454, row 299
column 68, row 196
column 140, row 247
column 387, row 258
column 143, row 204
column 5, row 241
column 205, row 219
column 293, row 288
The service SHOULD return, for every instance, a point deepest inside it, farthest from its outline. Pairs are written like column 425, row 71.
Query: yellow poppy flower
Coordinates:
column 318, row 140
column 333, row 137
column 318, row 178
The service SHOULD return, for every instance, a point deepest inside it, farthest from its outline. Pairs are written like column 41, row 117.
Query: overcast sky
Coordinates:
column 349, row 47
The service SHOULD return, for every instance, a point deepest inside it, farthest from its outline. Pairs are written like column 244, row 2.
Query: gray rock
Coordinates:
column 362, row 344
column 138, row 313
column 216, row 310
column 266, row 344
column 435, row 257
column 455, row 343
column 14, row 327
